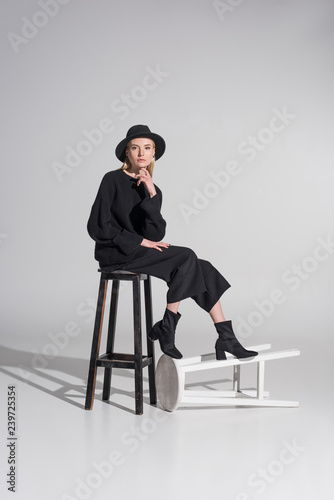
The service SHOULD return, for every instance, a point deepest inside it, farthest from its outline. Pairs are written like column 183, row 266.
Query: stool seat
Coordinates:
column 136, row 361
column 123, row 275
column 120, row 271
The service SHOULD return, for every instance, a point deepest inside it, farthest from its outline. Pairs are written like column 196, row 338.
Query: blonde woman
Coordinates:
column 128, row 228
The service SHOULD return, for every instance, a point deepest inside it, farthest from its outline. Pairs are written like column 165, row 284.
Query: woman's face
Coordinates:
column 140, row 152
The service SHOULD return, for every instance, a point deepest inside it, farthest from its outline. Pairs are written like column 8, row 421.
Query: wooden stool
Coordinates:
column 111, row 359
column 171, row 383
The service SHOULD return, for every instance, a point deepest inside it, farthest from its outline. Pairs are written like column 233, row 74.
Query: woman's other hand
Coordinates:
column 154, row 244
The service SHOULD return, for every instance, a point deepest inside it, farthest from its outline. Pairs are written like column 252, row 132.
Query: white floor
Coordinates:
column 64, row 452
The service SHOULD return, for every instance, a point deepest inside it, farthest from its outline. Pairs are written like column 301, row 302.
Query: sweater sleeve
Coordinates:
column 102, row 225
column 154, row 226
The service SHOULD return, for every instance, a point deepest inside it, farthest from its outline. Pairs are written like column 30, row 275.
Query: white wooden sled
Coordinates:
column 171, row 384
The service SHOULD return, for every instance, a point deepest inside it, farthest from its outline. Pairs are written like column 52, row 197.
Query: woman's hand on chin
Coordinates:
column 144, row 176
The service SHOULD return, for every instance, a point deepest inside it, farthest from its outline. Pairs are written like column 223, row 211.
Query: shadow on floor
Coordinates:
column 35, row 370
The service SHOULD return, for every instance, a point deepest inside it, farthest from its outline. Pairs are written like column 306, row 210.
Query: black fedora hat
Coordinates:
column 141, row 131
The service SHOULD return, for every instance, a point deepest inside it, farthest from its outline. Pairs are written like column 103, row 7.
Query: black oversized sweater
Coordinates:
column 121, row 216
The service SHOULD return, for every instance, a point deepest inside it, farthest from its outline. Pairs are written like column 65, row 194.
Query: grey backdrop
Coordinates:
column 250, row 193
column 242, row 91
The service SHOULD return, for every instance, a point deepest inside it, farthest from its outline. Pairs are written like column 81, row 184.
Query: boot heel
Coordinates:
column 220, row 355
column 227, row 341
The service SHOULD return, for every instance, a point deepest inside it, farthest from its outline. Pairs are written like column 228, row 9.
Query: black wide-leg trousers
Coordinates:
column 185, row 274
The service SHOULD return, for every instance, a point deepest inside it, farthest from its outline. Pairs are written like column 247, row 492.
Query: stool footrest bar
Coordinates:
column 119, row 360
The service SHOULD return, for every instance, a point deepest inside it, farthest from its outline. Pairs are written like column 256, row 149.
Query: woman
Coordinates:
column 128, row 228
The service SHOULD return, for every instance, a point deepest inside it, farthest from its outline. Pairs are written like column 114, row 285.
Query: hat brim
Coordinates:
column 160, row 145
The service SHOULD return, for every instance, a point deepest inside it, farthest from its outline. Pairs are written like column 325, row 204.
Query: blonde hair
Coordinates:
column 127, row 163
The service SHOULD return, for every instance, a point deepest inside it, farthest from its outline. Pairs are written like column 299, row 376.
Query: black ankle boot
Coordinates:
column 164, row 331
column 228, row 342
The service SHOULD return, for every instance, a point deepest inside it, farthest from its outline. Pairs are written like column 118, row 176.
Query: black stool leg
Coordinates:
column 150, row 343
column 111, row 337
column 96, row 343
column 137, row 345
